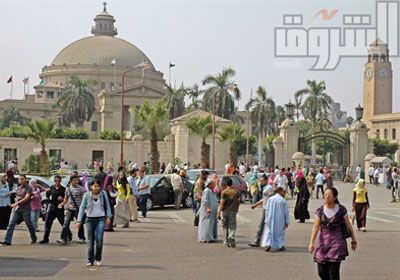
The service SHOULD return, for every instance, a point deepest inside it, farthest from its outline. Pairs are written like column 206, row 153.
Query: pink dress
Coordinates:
column 36, row 202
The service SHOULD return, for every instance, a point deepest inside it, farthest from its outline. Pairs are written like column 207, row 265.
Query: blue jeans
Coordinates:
column 254, row 198
column 69, row 216
column 15, row 216
column 95, row 231
column 143, row 204
column 260, row 230
column 35, row 214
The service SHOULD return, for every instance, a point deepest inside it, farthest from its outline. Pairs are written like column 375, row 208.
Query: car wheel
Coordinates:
column 43, row 209
column 188, row 202
column 242, row 197
column 149, row 203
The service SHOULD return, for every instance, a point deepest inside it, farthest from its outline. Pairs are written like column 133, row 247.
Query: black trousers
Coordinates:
column 69, row 216
column 371, row 179
column 5, row 213
column 53, row 212
column 329, row 270
column 322, row 190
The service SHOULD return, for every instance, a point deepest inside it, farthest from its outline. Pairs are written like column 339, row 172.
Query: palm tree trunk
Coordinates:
column 43, row 165
column 313, row 149
column 232, row 154
column 260, row 150
column 203, row 154
column 154, row 156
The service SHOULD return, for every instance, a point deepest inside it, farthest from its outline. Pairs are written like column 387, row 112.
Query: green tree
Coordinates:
column 231, row 133
column 194, row 93
column 150, row 115
column 384, row 148
column 226, row 93
column 317, row 103
column 349, row 120
column 77, row 104
column 297, row 106
column 39, row 131
column 201, row 127
column 174, row 102
column 305, row 127
column 10, row 116
column 241, row 145
column 263, row 113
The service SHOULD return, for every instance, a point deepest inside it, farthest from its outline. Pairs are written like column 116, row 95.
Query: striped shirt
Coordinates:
column 77, row 193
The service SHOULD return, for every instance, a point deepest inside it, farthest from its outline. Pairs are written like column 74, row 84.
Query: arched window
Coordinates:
column 383, row 57
column 101, row 26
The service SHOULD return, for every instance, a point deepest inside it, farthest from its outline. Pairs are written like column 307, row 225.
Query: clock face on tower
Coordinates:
column 369, row 73
column 383, row 73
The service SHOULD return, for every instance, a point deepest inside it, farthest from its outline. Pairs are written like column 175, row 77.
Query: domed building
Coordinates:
column 102, row 58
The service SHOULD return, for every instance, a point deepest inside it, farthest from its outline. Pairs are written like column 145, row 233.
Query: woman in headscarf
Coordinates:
column 271, row 179
column 111, row 194
column 5, row 202
column 208, row 225
column 110, row 169
column 122, row 210
column 254, row 188
column 310, row 183
column 85, row 181
column 301, row 208
column 360, row 204
column 36, row 202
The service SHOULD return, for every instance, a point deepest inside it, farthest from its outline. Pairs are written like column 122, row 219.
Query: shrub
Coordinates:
column 31, row 164
column 110, row 135
column 69, row 133
column 13, row 130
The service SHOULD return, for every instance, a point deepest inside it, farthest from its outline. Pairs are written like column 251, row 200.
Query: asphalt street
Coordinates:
column 165, row 246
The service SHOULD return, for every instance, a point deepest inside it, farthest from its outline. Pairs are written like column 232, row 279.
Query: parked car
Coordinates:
column 237, row 183
column 163, row 194
column 192, row 174
column 45, row 184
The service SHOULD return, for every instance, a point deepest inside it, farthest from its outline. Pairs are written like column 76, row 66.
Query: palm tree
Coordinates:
column 297, row 105
column 280, row 116
column 349, row 120
column 194, row 93
column 11, row 115
column 226, row 93
column 77, row 103
column 39, row 131
column 316, row 104
column 262, row 114
column 231, row 133
column 174, row 102
column 150, row 115
column 201, row 127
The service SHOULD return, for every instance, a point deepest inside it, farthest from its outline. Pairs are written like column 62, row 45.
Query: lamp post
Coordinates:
column 289, row 110
column 142, row 65
column 213, row 122
column 359, row 112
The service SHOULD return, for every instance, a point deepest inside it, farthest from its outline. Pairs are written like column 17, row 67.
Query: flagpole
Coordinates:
column 170, row 73
column 12, row 81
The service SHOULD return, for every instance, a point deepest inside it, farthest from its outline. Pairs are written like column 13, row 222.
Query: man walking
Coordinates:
column 56, row 195
column 101, row 176
column 21, row 209
column 281, row 179
column 73, row 196
column 134, row 196
column 320, row 182
column 268, row 191
column 371, row 174
column 277, row 219
column 177, row 186
column 229, row 206
column 144, row 190
column 395, row 179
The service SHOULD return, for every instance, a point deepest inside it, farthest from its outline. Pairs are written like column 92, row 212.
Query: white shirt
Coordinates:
column 281, row 181
column 358, row 170
column 242, row 169
column 370, row 171
column 255, row 168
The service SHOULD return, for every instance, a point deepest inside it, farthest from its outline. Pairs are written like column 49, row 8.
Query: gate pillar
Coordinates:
column 287, row 143
column 359, row 145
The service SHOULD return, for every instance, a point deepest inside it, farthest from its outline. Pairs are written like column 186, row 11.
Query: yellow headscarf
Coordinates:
column 360, row 187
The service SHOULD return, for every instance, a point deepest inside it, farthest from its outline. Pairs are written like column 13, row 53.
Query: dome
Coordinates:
column 298, row 156
column 369, row 157
column 101, row 50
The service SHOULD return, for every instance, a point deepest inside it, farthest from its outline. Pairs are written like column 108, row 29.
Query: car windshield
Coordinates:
column 153, row 181
column 192, row 174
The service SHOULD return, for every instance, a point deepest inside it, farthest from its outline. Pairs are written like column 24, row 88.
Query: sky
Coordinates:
column 199, row 36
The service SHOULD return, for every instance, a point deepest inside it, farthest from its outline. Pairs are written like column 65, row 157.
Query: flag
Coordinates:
column 114, row 61
column 171, row 65
column 9, row 80
column 41, row 82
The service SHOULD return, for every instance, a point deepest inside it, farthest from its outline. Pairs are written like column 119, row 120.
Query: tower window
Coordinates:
column 385, row 134
column 101, row 26
column 383, row 57
column 377, row 133
column 376, row 57
column 394, row 134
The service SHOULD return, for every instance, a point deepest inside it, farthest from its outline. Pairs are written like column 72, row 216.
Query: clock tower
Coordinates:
column 377, row 82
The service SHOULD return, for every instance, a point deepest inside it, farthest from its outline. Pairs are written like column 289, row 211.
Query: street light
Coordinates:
column 359, row 112
column 213, row 123
column 289, row 110
column 142, row 65
column 248, row 131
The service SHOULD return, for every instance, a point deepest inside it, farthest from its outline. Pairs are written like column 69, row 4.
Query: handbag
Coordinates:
column 346, row 231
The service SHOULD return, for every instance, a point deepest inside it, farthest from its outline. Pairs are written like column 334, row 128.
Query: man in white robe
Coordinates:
column 277, row 219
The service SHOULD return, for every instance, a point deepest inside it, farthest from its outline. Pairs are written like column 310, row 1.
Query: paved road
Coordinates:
column 165, row 246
